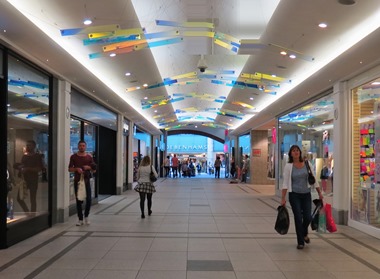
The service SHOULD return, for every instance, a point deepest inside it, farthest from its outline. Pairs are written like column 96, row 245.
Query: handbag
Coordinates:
column 81, row 194
column 152, row 176
column 310, row 177
column 282, row 222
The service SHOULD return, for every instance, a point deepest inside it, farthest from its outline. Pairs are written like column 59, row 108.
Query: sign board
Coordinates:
column 256, row 152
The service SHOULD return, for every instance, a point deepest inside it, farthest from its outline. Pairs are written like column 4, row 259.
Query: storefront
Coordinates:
column 311, row 128
column 97, row 126
column 365, row 190
column 26, row 149
column 201, row 150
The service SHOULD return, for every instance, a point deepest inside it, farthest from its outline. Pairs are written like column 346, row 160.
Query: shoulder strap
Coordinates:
column 307, row 166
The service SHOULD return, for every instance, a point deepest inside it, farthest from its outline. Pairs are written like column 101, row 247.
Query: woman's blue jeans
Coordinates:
column 301, row 207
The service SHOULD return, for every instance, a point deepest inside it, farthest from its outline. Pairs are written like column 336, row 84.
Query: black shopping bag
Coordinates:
column 282, row 221
column 315, row 216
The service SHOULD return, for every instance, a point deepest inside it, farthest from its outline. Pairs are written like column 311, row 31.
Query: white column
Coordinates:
column 342, row 145
column 63, row 151
column 119, row 154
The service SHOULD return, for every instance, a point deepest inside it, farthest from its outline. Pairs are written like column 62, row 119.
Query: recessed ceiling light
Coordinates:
column 145, row 98
column 145, row 85
column 112, row 54
column 138, row 87
column 283, row 52
column 322, row 25
column 292, row 56
column 251, row 98
column 127, row 74
column 87, row 21
column 375, row 83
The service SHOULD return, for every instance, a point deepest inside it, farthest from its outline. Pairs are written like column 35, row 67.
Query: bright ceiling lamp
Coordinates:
column 87, row 21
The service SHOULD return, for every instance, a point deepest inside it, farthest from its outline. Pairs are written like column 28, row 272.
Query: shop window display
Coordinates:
column 27, row 142
column 365, row 203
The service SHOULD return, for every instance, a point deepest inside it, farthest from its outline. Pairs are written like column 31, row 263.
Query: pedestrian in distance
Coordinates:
column 217, row 165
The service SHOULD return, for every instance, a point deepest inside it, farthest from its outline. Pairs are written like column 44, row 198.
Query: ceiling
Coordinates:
column 247, row 82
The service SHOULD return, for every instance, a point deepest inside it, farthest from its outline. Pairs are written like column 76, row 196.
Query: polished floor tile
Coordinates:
column 200, row 228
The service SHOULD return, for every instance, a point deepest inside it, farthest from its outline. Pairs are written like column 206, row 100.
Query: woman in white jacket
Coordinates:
column 295, row 182
column 145, row 187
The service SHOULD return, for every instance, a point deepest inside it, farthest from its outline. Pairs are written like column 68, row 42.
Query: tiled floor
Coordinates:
column 200, row 228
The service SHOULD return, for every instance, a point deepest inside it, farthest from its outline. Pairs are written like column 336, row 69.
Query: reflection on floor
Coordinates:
column 200, row 228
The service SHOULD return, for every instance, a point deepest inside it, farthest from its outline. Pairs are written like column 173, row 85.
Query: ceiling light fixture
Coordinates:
column 112, row 54
column 292, row 56
column 127, row 74
column 283, row 52
column 87, row 21
column 322, row 25
column 145, row 85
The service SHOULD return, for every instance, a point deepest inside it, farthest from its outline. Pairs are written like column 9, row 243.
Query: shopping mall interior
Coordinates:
column 240, row 81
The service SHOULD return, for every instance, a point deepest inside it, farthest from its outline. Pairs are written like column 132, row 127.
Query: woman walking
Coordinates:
column 295, row 182
column 145, row 187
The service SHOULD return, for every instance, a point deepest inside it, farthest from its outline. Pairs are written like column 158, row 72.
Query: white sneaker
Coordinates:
column 86, row 221
column 79, row 223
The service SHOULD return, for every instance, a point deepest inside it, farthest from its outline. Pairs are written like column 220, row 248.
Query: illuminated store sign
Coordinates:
column 187, row 147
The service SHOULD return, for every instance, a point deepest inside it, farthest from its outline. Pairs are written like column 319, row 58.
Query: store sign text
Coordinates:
column 187, row 147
